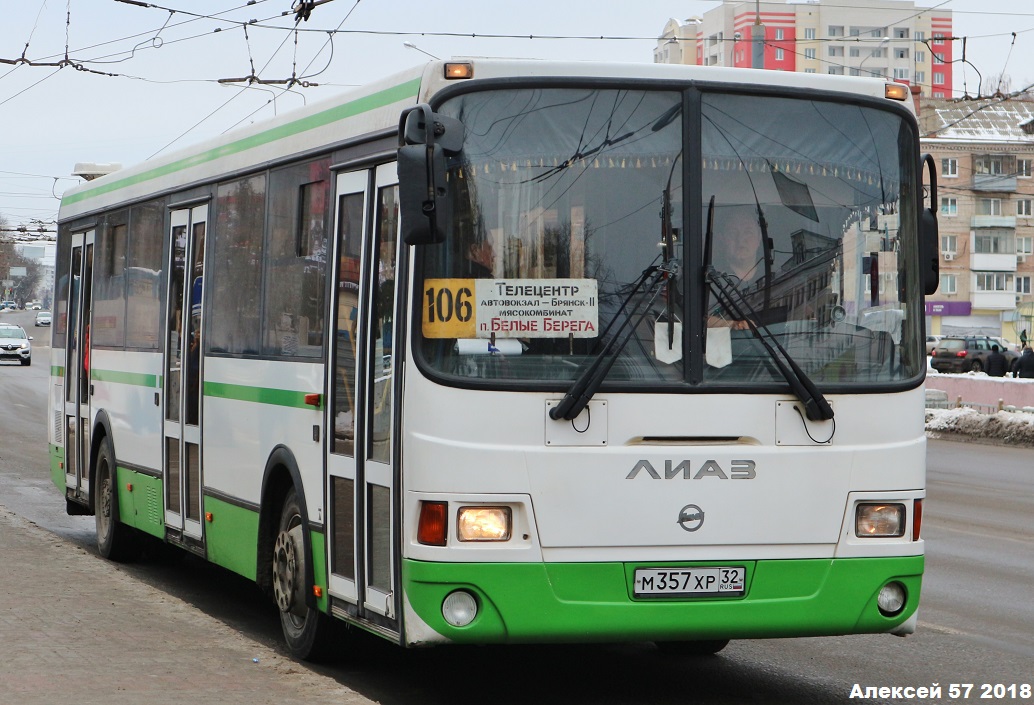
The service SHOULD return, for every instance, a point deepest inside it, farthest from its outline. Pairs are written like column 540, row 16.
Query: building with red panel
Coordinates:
column 894, row 39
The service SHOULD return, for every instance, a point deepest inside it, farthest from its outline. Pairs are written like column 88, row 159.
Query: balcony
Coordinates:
column 993, row 221
column 993, row 300
column 1000, row 183
column 986, row 262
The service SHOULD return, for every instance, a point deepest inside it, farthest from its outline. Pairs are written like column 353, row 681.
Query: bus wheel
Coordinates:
column 704, row 647
column 305, row 629
column 115, row 540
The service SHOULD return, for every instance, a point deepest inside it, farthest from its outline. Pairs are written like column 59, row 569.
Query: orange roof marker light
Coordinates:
column 454, row 70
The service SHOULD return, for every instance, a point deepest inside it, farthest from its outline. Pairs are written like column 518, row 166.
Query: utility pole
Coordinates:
column 757, row 39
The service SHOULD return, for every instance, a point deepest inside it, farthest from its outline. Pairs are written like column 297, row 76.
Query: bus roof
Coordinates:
column 375, row 108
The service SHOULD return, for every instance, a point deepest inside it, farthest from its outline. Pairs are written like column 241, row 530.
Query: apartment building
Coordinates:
column 984, row 151
column 894, row 39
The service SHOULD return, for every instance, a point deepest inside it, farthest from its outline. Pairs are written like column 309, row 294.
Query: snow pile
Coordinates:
column 1003, row 427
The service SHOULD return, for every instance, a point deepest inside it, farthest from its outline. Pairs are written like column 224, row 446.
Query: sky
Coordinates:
column 147, row 78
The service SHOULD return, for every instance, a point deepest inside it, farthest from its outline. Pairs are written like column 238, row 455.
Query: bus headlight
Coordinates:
column 483, row 524
column 879, row 520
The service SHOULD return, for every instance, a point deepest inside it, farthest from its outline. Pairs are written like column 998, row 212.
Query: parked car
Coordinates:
column 43, row 318
column 34, row 306
column 931, row 342
column 14, row 344
column 8, row 306
column 967, row 353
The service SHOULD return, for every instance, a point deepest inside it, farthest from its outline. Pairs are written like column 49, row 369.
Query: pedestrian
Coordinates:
column 997, row 365
column 1025, row 365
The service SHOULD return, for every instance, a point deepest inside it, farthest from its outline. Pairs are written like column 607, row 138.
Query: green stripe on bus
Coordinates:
column 140, row 502
column 257, row 395
column 536, row 602
column 137, row 379
column 232, row 536
column 57, row 370
column 339, row 112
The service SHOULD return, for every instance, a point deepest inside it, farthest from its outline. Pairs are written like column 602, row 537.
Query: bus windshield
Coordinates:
column 574, row 236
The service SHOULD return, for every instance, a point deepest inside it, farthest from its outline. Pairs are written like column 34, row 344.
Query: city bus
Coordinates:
column 513, row 351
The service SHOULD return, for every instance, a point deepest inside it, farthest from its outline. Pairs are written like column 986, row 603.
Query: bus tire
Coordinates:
column 115, row 540
column 305, row 628
column 703, row 647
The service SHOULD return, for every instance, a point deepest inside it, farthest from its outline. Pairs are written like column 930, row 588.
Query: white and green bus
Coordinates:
column 518, row 351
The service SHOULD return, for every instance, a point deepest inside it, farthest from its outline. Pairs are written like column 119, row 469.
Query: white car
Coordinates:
column 14, row 344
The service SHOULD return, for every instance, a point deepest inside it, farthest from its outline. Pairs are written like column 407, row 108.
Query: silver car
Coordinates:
column 14, row 344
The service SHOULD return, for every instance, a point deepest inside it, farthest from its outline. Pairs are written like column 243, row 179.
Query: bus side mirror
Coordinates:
column 425, row 140
column 929, row 240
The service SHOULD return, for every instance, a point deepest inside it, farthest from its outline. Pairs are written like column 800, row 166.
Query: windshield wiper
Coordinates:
column 589, row 381
column 816, row 408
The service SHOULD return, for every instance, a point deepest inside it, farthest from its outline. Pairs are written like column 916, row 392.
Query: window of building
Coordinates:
column 949, row 284
column 809, row 70
column 1023, row 207
column 949, row 167
column 901, row 53
column 779, row 54
column 901, row 32
column 901, row 73
column 854, row 52
column 920, row 57
column 920, row 36
column 809, row 33
column 938, row 38
column 836, row 30
column 809, row 53
column 994, row 242
column 989, row 206
column 836, row 51
column 989, row 165
column 938, row 94
column 938, row 57
column 1023, row 284
column 1023, row 167
column 938, row 78
column 1025, row 245
column 836, row 70
column 995, row 281
column 950, row 243
column 949, row 206
column 779, row 33
column 920, row 76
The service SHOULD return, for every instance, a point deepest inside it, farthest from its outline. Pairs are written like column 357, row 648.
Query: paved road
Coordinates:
column 76, row 628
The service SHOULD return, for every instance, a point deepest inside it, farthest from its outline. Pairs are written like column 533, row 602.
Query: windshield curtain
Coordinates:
column 567, row 240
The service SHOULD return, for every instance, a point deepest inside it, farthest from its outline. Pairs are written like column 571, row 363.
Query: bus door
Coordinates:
column 182, row 372
column 77, row 367
column 361, row 449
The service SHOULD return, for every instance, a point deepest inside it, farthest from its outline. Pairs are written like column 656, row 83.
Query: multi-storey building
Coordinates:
column 984, row 151
column 894, row 39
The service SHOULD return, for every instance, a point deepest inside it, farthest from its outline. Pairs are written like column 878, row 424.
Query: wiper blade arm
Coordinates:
column 589, row 381
column 816, row 408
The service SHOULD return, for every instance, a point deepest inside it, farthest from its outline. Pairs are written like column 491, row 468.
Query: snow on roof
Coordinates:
column 1009, row 119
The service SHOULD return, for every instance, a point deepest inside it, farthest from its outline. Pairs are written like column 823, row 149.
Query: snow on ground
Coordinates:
column 1011, row 427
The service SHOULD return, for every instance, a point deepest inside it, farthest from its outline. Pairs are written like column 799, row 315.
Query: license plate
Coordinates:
column 694, row 582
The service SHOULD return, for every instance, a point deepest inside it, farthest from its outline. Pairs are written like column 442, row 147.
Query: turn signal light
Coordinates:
column 432, row 529
column 917, row 518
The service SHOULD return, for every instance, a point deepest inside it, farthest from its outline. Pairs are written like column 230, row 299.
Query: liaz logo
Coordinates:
column 738, row 470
